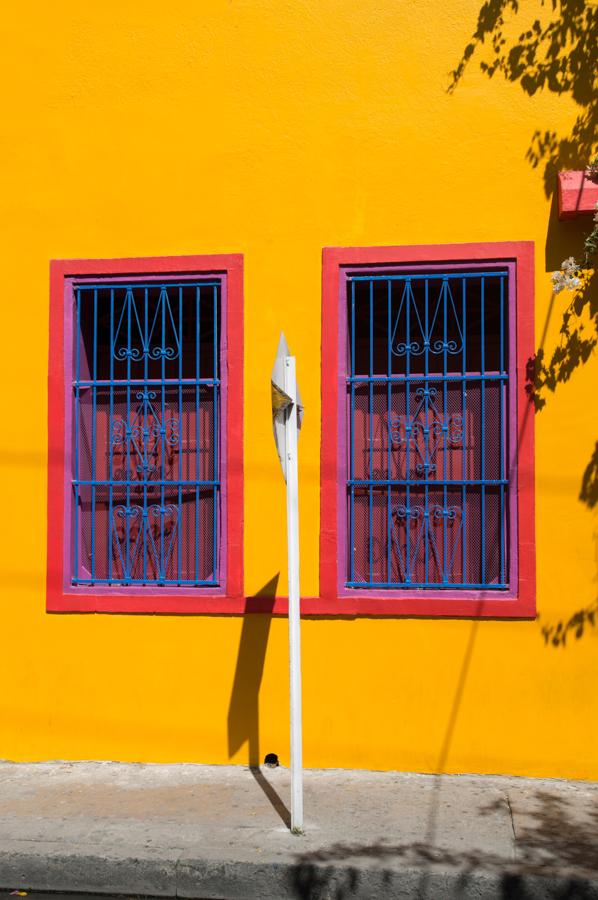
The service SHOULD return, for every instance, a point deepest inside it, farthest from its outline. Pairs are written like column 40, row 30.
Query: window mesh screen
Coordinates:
column 145, row 440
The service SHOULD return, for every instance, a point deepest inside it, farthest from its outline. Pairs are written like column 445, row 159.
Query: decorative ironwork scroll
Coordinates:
column 427, row 430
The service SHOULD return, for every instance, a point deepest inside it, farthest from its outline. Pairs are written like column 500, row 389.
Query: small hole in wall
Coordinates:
column 271, row 760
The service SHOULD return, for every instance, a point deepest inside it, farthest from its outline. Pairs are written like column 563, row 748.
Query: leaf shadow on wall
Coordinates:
column 244, row 711
column 546, row 371
column 555, row 53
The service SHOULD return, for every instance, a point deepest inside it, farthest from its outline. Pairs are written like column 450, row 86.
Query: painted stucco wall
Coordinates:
column 272, row 129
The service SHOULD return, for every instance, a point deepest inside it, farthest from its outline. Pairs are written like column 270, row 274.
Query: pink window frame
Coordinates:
column 61, row 595
column 519, row 601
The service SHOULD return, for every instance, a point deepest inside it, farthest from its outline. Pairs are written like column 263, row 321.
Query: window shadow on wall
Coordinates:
column 244, row 711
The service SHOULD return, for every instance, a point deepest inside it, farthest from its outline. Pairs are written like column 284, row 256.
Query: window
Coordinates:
column 147, row 405
column 429, row 456
column 427, row 390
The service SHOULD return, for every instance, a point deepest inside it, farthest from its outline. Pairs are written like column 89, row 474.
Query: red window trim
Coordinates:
column 230, row 598
column 523, row 605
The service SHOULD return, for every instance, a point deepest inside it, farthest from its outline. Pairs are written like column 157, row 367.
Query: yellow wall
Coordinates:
column 274, row 128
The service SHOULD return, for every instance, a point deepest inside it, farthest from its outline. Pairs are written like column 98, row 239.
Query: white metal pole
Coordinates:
column 290, row 388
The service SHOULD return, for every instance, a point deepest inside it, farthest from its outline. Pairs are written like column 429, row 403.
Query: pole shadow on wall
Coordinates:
column 243, row 710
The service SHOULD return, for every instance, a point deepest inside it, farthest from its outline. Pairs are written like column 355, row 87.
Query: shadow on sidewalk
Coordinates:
column 556, row 857
column 243, row 710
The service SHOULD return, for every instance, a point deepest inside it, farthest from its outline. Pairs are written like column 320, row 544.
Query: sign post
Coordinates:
column 287, row 416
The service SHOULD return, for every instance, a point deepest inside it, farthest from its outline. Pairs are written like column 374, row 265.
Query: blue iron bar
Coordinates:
column 197, row 407
column 464, row 427
column 214, row 530
column 145, row 372
column 180, row 399
column 502, row 327
column 131, row 285
column 77, row 372
column 352, row 441
column 174, row 382
column 409, row 482
column 483, row 426
column 425, row 276
column 214, row 373
column 503, row 444
column 111, row 414
column 422, row 377
column 388, row 440
column 445, row 289
column 148, row 484
column 216, row 441
column 149, row 582
column 502, row 542
column 93, row 434
column 162, row 573
column 427, row 425
column 407, row 289
column 434, row 585
column 127, row 568
column 371, row 423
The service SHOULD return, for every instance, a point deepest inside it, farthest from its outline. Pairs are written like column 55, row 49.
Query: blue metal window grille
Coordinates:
column 146, row 409
column 427, row 394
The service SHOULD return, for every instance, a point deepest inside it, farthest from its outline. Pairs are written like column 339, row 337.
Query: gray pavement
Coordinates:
column 222, row 832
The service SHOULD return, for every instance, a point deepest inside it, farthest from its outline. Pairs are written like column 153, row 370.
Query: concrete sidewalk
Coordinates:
column 221, row 832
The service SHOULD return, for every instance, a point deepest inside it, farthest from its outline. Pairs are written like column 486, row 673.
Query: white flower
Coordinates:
column 566, row 279
column 558, row 282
